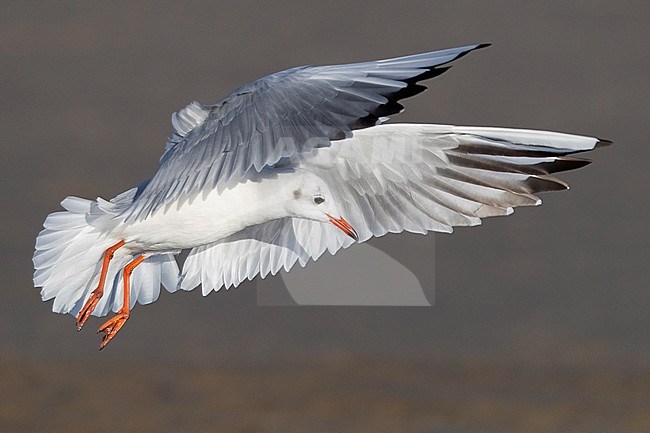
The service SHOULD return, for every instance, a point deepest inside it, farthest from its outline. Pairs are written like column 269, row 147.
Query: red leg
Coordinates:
column 97, row 294
column 112, row 326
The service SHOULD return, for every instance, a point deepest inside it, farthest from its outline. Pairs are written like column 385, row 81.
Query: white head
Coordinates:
column 310, row 198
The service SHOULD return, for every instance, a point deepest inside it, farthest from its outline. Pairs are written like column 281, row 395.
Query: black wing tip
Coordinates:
column 567, row 164
column 412, row 88
column 466, row 52
column 545, row 183
column 603, row 142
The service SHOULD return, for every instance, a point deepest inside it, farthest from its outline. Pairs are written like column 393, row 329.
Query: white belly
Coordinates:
column 203, row 220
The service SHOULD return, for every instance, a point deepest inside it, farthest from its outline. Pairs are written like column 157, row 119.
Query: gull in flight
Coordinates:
column 282, row 169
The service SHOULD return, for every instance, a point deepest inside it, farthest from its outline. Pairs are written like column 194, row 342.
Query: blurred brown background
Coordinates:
column 541, row 319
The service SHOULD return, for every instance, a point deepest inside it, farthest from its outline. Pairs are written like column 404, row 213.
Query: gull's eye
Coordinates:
column 318, row 199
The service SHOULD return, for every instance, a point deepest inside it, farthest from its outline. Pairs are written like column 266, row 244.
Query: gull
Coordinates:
column 281, row 170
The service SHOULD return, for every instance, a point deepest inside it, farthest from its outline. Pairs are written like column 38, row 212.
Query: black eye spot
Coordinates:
column 318, row 199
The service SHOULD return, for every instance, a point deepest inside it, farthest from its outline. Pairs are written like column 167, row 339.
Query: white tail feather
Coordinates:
column 68, row 260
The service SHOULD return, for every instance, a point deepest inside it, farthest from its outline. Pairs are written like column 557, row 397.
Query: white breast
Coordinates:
column 204, row 220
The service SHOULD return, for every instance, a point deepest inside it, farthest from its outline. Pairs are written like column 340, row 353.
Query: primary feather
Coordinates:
column 281, row 115
column 394, row 178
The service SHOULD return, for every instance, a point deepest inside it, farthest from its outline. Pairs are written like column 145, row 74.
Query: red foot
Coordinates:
column 112, row 327
column 87, row 310
column 91, row 303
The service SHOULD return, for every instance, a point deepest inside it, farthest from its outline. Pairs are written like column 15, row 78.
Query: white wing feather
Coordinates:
column 392, row 178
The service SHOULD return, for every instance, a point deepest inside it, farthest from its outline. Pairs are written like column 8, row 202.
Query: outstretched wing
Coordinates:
column 392, row 178
column 422, row 178
column 278, row 116
column 262, row 249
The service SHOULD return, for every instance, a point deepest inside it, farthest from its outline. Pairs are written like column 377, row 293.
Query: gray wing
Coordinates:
column 394, row 178
column 278, row 116
column 420, row 178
